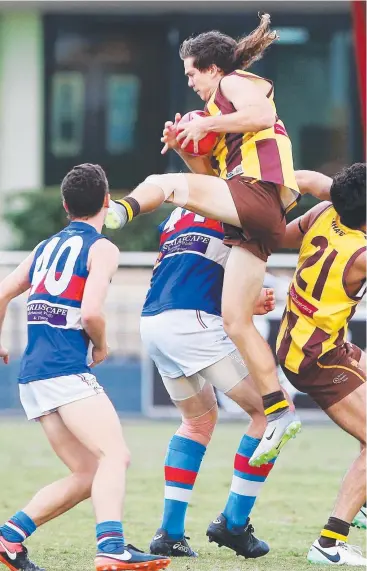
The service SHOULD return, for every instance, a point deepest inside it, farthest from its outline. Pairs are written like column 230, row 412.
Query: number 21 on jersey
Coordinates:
column 321, row 243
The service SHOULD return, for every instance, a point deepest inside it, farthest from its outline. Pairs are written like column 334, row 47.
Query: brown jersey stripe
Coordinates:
column 287, row 339
column 215, row 163
column 312, row 349
column 234, row 143
column 340, row 338
column 269, row 160
column 352, row 312
column 223, row 103
column 323, row 275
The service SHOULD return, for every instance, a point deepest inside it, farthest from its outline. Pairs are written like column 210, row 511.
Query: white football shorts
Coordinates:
column 191, row 348
column 39, row 398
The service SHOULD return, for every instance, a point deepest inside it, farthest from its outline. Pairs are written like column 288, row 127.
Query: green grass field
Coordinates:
column 293, row 507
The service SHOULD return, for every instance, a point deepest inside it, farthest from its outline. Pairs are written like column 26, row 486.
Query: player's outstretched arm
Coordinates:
column 13, row 285
column 355, row 277
column 314, row 183
column 318, row 185
column 296, row 229
column 102, row 265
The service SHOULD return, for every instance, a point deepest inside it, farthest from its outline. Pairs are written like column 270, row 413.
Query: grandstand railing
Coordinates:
column 126, row 297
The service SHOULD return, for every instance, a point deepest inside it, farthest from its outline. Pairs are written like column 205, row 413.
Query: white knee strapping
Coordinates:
column 174, row 187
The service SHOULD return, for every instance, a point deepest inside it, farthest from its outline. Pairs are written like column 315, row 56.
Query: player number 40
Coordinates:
column 56, row 283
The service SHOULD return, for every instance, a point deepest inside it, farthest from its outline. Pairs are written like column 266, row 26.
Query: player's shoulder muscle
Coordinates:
column 104, row 254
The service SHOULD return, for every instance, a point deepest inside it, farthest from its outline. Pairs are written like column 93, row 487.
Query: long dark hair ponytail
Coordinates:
column 228, row 54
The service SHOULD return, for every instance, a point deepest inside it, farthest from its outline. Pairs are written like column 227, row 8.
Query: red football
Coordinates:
column 206, row 144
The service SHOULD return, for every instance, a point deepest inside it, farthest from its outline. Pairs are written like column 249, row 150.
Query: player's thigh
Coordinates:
column 211, row 197
column 194, row 394
column 67, row 447
column 243, row 280
column 350, row 413
column 198, row 404
column 95, row 423
column 230, row 375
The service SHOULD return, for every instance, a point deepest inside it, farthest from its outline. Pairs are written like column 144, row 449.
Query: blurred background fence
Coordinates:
column 94, row 82
column 129, row 375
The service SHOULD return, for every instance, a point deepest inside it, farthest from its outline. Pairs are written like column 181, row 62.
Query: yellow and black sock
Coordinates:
column 274, row 405
column 335, row 529
column 131, row 206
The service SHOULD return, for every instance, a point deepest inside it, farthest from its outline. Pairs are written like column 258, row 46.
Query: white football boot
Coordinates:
column 340, row 554
column 276, row 435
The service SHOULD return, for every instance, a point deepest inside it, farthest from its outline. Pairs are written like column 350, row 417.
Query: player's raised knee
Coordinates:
column 200, row 428
column 173, row 185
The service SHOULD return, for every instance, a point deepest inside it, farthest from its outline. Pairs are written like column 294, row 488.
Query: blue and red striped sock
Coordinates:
column 246, row 483
column 182, row 464
column 18, row 528
column 110, row 537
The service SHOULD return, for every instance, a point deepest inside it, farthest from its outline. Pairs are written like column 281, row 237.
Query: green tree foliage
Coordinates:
column 37, row 215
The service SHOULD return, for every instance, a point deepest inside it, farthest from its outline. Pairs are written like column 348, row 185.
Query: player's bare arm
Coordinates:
column 254, row 112
column 355, row 277
column 296, row 229
column 314, row 183
column 318, row 185
column 13, row 285
column 197, row 165
column 103, row 263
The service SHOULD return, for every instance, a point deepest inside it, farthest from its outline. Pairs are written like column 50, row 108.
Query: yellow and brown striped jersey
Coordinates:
column 318, row 306
column 265, row 155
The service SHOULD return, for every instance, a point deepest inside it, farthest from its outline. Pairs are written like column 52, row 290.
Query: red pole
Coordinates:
column 359, row 25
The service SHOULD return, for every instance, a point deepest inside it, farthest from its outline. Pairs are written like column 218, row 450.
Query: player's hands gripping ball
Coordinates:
column 193, row 136
column 169, row 134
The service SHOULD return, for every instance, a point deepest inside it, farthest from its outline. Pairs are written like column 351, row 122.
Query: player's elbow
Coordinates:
column 90, row 317
column 8, row 292
column 303, row 180
column 266, row 118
